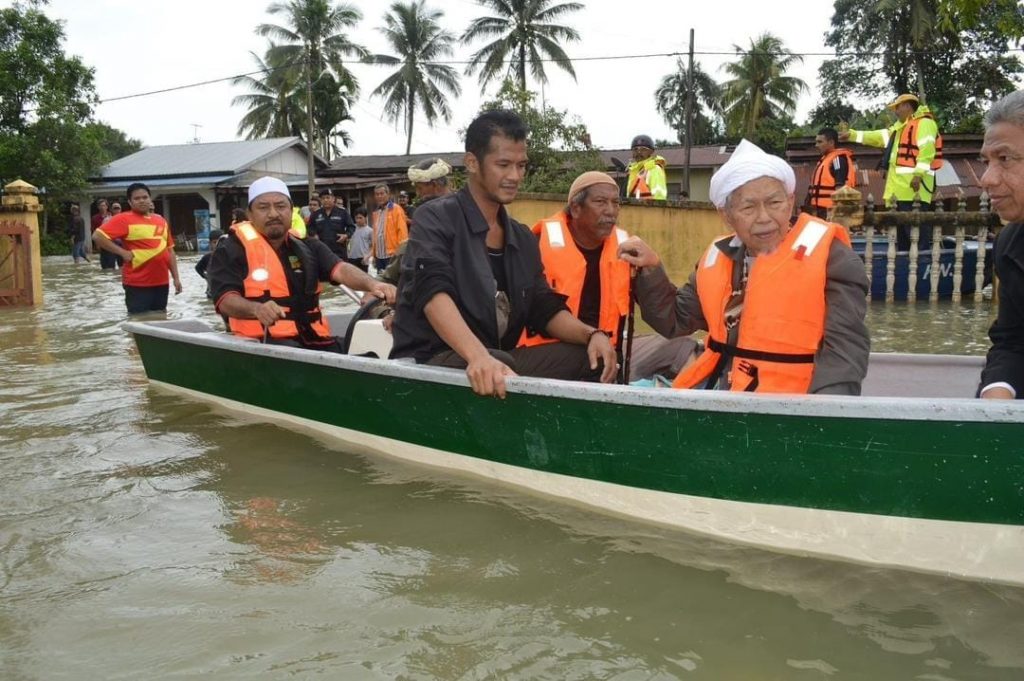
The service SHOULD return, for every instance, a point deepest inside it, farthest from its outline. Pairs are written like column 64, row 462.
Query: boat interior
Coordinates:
column 889, row 374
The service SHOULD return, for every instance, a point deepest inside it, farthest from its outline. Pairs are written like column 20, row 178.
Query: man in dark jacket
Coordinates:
column 1003, row 154
column 332, row 225
column 472, row 278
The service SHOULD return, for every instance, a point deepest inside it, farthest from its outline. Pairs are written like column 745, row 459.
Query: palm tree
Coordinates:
column 759, row 88
column 670, row 100
column 522, row 33
column 313, row 46
column 415, row 34
column 273, row 108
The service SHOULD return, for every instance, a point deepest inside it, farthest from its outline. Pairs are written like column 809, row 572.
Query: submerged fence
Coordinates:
column 921, row 253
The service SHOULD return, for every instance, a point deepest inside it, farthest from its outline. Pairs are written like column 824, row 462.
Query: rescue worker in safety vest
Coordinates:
column 783, row 304
column 579, row 251
column 913, row 154
column 835, row 169
column 647, row 172
column 267, row 283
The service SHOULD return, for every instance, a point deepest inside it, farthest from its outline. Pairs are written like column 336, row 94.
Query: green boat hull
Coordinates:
column 858, row 456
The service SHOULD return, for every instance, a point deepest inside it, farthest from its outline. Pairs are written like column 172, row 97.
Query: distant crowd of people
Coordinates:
column 782, row 298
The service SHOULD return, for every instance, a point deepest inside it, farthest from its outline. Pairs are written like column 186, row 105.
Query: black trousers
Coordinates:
column 924, row 242
column 554, row 360
column 140, row 299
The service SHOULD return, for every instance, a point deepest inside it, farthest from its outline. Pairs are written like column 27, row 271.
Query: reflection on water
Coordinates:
column 146, row 535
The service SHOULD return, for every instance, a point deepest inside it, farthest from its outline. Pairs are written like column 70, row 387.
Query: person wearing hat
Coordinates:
column 267, row 283
column 147, row 252
column 331, row 224
column 579, row 250
column 472, row 278
column 646, row 172
column 783, row 304
column 913, row 154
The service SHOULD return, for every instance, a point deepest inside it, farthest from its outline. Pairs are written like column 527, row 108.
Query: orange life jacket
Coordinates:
column 823, row 182
column 906, row 155
column 783, row 317
column 266, row 280
column 565, row 269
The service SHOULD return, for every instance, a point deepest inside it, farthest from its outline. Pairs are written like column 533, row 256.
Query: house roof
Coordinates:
column 190, row 160
column 710, row 156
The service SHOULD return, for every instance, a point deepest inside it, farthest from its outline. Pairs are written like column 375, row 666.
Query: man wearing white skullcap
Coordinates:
column 268, row 284
column 783, row 303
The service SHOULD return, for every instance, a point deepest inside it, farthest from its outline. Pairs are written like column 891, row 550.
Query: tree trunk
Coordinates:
column 522, row 68
column 409, row 121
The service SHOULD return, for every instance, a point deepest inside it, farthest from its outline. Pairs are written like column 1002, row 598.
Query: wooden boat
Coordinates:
column 947, row 265
column 915, row 474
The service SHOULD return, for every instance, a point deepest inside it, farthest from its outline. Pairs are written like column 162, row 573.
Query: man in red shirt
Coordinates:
column 148, row 252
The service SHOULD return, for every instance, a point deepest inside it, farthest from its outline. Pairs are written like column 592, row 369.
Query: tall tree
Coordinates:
column 313, row 45
column 415, row 34
column 47, row 135
column 759, row 89
column 273, row 102
column 523, row 33
column 956, row 53
column 670, row 100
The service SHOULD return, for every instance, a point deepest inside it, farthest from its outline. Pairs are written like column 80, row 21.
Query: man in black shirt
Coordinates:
column 472, row 279
column 268, row 284
column 332, row 225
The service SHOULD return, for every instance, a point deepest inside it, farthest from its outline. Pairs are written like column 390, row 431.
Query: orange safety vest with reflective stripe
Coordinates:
column 823, row 182
column 565, row 268
column 266, row 280
column 783, row 318
column 906, row 153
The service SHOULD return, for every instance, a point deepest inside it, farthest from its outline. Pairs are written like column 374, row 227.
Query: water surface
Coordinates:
column 147, row 535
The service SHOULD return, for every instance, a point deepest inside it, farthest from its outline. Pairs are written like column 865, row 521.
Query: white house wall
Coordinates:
column 290, row 161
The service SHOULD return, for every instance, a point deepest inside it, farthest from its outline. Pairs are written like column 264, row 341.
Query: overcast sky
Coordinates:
column 138, row 45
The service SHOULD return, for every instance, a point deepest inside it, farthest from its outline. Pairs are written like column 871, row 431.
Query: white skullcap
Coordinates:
column 266, row 185
column 436, row 171
column 748, row 163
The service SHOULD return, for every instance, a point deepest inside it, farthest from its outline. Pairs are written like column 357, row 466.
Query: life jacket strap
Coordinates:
column 727, row 350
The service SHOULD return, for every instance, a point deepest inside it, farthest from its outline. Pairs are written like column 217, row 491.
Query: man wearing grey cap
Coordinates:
column 783, row 304
column 268, row 285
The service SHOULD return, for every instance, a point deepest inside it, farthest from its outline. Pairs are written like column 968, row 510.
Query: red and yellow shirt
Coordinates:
column 149, row 239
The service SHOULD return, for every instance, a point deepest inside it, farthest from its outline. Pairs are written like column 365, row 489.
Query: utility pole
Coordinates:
column 310, row 169
column 689, row 120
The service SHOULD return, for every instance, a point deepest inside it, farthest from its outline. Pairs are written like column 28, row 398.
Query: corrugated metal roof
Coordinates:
column 179, row 160
column 164, row 181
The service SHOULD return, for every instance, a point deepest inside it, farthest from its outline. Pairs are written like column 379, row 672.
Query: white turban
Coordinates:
column 748, row 163
column 266, row 185
column 435, row 172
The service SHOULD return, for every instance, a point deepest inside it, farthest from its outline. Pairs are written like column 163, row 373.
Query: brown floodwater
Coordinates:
column 148, row 535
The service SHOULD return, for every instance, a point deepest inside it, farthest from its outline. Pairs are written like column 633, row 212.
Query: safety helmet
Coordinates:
column 642, row 141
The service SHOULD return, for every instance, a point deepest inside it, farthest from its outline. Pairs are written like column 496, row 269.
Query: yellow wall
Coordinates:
column 679, row 232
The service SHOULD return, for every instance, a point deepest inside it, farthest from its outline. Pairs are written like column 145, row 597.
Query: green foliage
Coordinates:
column 523, row 33
column 47, row 101
column 559, row 149
column 311, row 47
column 415, row 33
column 54, row 242
column 760, row 96
column 113, row 143
column 956, row 53
column 670, row 100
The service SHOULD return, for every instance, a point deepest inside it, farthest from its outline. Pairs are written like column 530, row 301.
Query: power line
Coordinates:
column 653, row 55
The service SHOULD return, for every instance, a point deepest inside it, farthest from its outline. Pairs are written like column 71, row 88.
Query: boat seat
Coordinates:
column 370, row 336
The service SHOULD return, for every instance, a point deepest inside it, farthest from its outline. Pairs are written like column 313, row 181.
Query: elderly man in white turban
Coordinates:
column 268, row 284
column 783, row 303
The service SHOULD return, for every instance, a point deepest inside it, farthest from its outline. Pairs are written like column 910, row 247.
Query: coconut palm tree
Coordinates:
column 759, row 88
column 523, row 33
column 415, row 34
column 312, row 46
column 670, row 100
column 274, row 110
